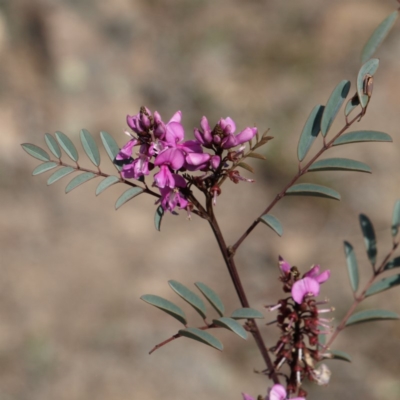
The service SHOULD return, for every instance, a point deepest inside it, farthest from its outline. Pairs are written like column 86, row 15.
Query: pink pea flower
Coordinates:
column 204, row 136
column 126, row 152
column 170, row 198
column 310, row 284
column 137, row 168
column 244, row 136
column 227, row 125
column 284, row 266
column 277, row 392
column 140, row 122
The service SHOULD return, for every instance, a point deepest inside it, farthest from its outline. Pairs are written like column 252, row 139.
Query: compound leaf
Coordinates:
column 67, row 146
column 382, row 285
column 369, row 238
column 371, row 315
column 44, row 167
column 158, row 217
column 339, row 164
column 246, row 313
column 166, row 306
column 190, row 297
column 311, row 189
column 362, row 136
column 35, row 151
column 60, row 173
column 232, row 325
column 106, row 183
column 52, row 145
column 378, row 36
column 79, row 180
column 90, row 147
column 352, row 266
column 273, row 223
column 212, row 297
column 127, row 195
column 111, row 147
column 310, row 132
column 202, row 337
column 333, row 105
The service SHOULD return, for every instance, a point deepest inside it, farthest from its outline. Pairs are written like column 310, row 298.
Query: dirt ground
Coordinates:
column 72, row 325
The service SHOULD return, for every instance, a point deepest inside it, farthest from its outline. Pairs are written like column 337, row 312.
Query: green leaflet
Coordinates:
column 273, row 223
column 52, row 145
column 371, row 315
column 79, row 180
column 396, row 218
column 166, row 306
column 378, row 36
column 310, row 132
column 127, row 195
column 106, row 183
column 310, row 189
column 212, row 297
column 339, row 164
column 66, row 144
column 60, row 173
column 35, row 151
column 246, row 313
column 352, row 266
column 90, row 147
column 369, row 238
column 333, row 105
column 44, row 167
column 384, row 284
column 369, row 68
column 202, row 337
column 111, row 147
column 232, row 325
column 362, row 136
column 189, row 296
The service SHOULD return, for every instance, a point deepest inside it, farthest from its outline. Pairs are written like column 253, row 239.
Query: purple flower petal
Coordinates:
column 175, row 133
column 164, row 178
column 215, row 161
column 190, row 146
column 246, row 135
column 173, row 157
column 247, row 397
column 324, row 276
column 284, row 265
column 313, row 272
column 126, row 152
column 304, row 287
column 229, row 141
column 277, row 392
column 177, row 117
column 197, row 158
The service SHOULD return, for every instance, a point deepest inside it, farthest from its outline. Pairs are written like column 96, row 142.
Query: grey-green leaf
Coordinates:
column 352, row 266
column 333, row 105
column 127, row 195
column 382, row 285
column 378, row 36
column 195, row 301
column 79, row 180
column 67, row 145
column 339, row 164
column 212, row 297
column 369, row 68
column 232, row 325
column 369, row 238
column 371, row 315
column 394, row 263
column 311, row 189
column 273, row 223
column 90, row 147
column 351, row 105
column 106, row 183
column 362, row 136
column 111, row 147
column 246, row 313
column 44, row 167
column 52, row 145
column 396, row 218
column 202, row 337
column 310, row 132
column 166, row 306
column 338, row 355
column 35, row 151
column 158, row 217
column 60, row 173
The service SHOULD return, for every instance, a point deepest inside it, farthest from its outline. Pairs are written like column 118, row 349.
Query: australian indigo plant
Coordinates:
column 189, row 175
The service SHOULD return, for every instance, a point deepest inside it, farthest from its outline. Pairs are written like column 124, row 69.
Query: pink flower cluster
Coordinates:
column 162, row 145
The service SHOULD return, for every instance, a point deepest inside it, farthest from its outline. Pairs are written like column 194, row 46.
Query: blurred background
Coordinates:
column 72, row 325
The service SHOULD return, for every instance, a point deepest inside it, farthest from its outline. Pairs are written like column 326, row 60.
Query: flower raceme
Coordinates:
column 301, row 325
column 162, row 146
